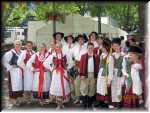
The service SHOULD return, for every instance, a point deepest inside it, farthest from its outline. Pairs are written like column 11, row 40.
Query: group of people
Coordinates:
column 87, row 71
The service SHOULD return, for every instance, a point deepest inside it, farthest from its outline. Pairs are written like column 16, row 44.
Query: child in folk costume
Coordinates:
column 27, row 73
column 88, row 74
column 41, row 76
column 132, row 71
column 68, row 51
column 118, row 79
column 15, row 75
column 59, row 88
column 105, row 75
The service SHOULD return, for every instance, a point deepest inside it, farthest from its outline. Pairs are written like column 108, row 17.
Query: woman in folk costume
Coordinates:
column 132, row 71
column 118, row 79
column 28, row 74
column 15, row 75
column 105, row 75
column 41, row 76
column 59, row 88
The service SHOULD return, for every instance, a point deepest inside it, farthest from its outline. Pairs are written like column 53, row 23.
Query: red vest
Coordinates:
column 84, row 65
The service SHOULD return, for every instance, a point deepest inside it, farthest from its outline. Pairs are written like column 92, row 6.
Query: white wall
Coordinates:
column 40, row 31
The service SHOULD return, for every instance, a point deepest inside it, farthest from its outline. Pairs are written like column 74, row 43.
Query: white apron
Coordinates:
column 56, row 88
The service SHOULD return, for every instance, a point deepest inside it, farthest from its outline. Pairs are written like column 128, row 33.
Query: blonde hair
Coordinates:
column 43, row 45
column 17, row 41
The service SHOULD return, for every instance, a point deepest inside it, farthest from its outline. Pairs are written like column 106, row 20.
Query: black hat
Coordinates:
column 135, row 49
column 66, row 37
column 106, row 44
column 54, row 35
column 122, row 37
column 116, row 41
column 81, row 36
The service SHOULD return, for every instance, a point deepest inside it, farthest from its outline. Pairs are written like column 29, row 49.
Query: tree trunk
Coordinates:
column 142, row 16
column 54, row 20
column 99, row 18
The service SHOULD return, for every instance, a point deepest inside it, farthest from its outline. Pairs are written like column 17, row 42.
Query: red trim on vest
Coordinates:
column 28, row 56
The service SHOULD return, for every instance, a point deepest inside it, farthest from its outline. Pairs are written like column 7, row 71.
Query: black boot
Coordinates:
column 90, row 101
column 84, row 102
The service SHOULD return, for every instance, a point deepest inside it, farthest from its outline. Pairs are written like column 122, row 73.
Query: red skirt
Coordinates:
column 130, row 100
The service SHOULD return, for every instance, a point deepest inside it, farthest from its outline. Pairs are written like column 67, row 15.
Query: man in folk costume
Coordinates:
column 59, row 88
column 98, row 50
column 68, row 51
column 88, row 73
column 28, row 75
column 105, row 75
column 57, row 38
column 118, row 79
column 79, row 49
column 15, row 75
column 41, row 76
column 93, row 37
column 132, row 71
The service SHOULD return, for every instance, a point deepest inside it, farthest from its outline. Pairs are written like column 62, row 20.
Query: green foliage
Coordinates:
column 125, row 14
column 15, row 16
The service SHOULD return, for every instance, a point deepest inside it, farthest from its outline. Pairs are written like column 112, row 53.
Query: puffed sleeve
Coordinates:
column 31, row 61
column 21, row 58
column 48, row 62
column 124, row 68
column 6, row 59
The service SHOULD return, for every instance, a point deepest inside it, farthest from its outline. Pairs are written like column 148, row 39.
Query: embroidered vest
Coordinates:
column 14, row 59
column 58, row 62
column 128, row 66
column 118, row 65
column 104, row 65
column 28, row 56
column 37, row 63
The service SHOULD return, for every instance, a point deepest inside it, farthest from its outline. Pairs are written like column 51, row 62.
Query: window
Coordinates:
column 7, row 34
column 18, row 33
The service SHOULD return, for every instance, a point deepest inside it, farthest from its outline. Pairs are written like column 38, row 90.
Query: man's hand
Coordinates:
column 82, row 77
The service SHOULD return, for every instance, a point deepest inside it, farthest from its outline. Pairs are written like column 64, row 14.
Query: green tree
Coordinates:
column 125, row 14
column 16, row 15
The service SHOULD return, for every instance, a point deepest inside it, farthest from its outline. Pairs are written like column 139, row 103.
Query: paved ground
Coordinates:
column 35, row 106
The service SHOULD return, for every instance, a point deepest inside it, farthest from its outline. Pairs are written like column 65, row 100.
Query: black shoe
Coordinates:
column 90, row 101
